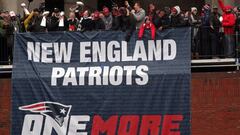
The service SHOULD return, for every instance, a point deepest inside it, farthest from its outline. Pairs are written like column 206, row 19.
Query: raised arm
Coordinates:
column 221, row 4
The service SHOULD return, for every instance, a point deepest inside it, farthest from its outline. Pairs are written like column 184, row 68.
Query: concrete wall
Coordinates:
column 14, row 5
column 215, row 104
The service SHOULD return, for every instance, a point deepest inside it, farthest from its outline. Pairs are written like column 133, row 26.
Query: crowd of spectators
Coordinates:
column 213, row 34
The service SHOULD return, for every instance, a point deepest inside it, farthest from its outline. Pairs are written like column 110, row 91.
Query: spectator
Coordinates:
column 116, row 19
column 139, row 14
column 215, row 25
column 63, row 22
column 127, row 5
column 176, row 19
column 238, row 28
column 194, row 18
column 35, row 21
column 125, row 20
column 185, row 16
column 151, row 11
column 3, row 24
column 107, row 18
column 147, row 25
column 195, row 22
column 205, row 50
column 238, row 20
column 235, row 10
column 3, row 41
column 228, row 23
column 161, row 21
column 13, row 27
column 14, row 22
column 72, row 22
column 58, row 21
column 44, row 19
column 27, row 20
column 98, row 22
column 86, row 22
column 167, row 11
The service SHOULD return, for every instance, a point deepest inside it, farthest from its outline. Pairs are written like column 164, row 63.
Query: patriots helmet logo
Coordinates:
column 54, row 110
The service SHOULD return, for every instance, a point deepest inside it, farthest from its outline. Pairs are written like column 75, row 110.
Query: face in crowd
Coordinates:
column 161, row 14
column 86, row 14
column 195, row 12
column 151, row 7
column 106, row 11
column 174, row 11
column 137, row 7
column 71, row 15
column 215, row 10
column 36, row 12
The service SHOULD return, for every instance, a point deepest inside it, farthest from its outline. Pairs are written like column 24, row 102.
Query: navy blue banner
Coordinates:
column 94, row 83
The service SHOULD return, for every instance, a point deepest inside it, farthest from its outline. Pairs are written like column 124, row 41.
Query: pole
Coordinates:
column 237, row 51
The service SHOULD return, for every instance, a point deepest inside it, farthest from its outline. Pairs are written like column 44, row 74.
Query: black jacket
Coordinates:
column 35, row 25
column 116, row 22
column 176, row 21
column 99, row 24
column 238, row 24
column 87, row 24
column 161, row 22
column 53, row 24
column 215, row 22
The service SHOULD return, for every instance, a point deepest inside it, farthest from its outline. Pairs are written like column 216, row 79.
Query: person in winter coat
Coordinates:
column 215, row 25
column 161, row 21
column 149, row 26
column 238, row 20
column 35, row 23
column 151, row 11
column 98, row 22
column 205, row 49
column 72, row 22
column 127, row 22
column 228, row 23
column 238, row 28
column 115, row 19
column 86, row 22
column 195, row 22
column 139, row 14
column 107, row 18
column 62, row 23
column 176, row 20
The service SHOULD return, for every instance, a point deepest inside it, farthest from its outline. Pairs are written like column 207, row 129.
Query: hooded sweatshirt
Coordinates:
column 229, row 19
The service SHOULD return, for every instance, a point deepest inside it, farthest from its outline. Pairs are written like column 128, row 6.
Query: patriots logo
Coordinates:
column 55, row 110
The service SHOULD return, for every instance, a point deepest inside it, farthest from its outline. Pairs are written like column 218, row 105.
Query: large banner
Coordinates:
column 96, row 83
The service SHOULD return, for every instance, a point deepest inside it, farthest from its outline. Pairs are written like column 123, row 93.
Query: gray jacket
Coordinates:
column 140, row 18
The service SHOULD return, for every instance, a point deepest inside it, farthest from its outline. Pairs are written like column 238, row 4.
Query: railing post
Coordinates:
column 237, row 51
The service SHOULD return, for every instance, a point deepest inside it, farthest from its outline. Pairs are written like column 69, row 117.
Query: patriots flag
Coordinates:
column 107, row 96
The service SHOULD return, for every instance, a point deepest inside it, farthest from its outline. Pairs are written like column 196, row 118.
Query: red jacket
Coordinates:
column 229, row 19
column 147, row 26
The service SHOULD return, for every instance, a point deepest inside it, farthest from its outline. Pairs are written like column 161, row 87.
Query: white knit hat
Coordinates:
column 178, row 9
column 193, row 9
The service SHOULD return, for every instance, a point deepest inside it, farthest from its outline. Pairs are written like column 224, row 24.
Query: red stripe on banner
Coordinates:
column 40, row 109
column 33, row 106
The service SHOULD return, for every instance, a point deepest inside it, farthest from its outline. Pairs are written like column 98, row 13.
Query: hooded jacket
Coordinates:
column 176, row 20
column 229, row 19
column 147, row 26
